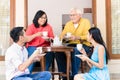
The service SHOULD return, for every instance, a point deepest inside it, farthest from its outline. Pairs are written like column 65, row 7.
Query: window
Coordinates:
column 7, row 21
column 113, row 27
column 115, row 10
column 4, row 25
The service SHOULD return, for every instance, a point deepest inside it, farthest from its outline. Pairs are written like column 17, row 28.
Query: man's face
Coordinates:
column 22, row 37
column 75, row 17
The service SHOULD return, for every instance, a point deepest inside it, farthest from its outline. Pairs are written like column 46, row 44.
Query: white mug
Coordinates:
column 40, row 49
column 79, row 46
column 45, row 33
column 68, row 34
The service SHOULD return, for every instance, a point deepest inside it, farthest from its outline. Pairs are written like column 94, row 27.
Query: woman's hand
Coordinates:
column 83, row 58
column 83, row 51
column 31, row 37
column 38, row 34
column 46, row 38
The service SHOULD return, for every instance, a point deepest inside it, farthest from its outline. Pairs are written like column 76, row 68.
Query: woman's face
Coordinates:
column 42, row 19
column 89, row 36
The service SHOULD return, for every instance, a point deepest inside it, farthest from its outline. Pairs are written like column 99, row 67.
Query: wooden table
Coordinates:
column 66, row 50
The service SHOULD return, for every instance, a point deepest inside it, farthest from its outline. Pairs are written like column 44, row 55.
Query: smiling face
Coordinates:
column 74, row 16
column 42, row 19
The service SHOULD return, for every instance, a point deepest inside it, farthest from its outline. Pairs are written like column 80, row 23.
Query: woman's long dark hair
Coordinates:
column 39, row 14
column 96, row 35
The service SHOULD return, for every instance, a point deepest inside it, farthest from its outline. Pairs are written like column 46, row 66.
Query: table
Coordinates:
column 65, row 49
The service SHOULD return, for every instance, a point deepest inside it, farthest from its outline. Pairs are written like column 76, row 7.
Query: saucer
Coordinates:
column 45, row 37
column 78, row 55
column 67, row 37
column 56, row 45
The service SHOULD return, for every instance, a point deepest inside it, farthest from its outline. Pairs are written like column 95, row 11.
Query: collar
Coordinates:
column 18, row 46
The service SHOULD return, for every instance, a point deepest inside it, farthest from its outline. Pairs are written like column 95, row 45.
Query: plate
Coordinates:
column 79, row 55
column 56, row 45
column 67, row 37
column 45, row 37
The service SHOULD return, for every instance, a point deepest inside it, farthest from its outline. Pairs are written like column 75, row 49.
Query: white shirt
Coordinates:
column 75, row 25
column 15, row 55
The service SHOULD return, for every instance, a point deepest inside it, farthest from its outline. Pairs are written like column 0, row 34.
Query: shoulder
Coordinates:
column 48, row 26
column 84, row 20
column 10, row 51
column 69, row 23
column 30, row 29
column 12, row 48
column 31, row 26
column 101, row 49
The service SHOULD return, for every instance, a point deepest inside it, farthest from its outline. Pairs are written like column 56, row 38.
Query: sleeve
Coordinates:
column 51, row 34
column 85, row 31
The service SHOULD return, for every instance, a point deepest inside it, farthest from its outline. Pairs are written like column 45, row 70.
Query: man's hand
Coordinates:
column 73, row 37
column 36, row 56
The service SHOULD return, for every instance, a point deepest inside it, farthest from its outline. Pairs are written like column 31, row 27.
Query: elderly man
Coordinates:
column 17, row 61
column 74, row 32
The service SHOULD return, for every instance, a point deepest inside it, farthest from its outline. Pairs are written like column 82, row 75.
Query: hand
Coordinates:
column 83, row 58
column 38, row 34
column 83, row 51
column 37, row 58
column 46, row 38
column 73, row 37
column 36, row 55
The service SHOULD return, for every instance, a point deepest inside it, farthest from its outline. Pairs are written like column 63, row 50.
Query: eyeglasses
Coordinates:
column 43, row 17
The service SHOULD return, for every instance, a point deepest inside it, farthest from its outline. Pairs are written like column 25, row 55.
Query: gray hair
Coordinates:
column 77, row 10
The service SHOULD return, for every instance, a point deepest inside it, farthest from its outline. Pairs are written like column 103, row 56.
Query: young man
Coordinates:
column 17, row 61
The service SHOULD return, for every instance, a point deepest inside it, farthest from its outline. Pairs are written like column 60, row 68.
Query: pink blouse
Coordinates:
column 39, row 41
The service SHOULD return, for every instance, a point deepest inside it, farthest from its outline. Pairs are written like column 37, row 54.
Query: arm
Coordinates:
column 25, row 65
column 65, row 30
column 31, row 33
column 30, row 60
column 82, row 30
column 89, row 64
column 31, row 37
column 50, row 33
column 100, row 64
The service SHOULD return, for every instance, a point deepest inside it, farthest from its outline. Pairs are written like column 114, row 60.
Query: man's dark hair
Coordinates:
column 16, row 32
column 38, row 15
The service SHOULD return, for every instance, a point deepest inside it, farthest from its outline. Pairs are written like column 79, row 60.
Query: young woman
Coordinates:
column 99, row 58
